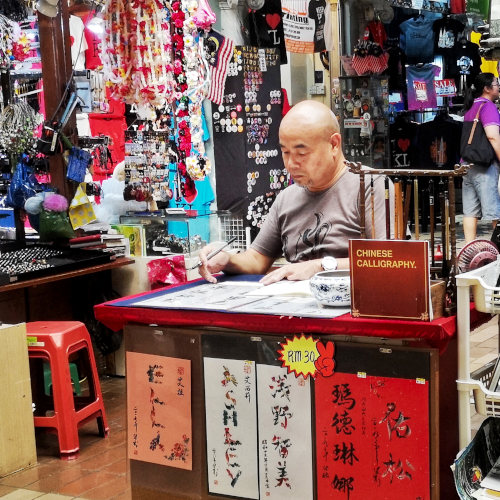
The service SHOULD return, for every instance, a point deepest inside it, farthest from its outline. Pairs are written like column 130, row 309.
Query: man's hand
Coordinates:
column 293, row 272
column 215, row 265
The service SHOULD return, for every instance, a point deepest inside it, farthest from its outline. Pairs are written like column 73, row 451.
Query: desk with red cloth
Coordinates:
column 178, row 333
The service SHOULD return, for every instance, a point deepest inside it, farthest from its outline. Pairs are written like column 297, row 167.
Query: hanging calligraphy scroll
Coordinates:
column 285, row 439
column 372, row 437
column 159, row 410
column 231, row 418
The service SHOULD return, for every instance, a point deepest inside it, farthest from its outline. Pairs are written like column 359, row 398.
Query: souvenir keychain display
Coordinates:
column 246, row 125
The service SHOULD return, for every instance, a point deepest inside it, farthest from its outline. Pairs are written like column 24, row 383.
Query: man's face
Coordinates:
column 310, row 156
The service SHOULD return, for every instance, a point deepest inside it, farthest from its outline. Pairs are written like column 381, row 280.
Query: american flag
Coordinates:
column 219, row 63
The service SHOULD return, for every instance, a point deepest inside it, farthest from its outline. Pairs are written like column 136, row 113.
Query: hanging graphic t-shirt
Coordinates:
column 464, row 64
column 78, row 42
column 317, row 12
column 402, row 134
column 418, row 40
column 439, row 143
column 265, row 27
column 420, row 86
column 445, row 34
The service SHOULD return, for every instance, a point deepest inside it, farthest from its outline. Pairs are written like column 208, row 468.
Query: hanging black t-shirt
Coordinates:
column 403, row 133
column 438, row 143
column 463, row 63
column 265, row 28
column 446, row 31
column 317, row 12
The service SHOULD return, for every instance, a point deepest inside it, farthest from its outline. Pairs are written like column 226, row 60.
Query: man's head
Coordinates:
column 311, row 145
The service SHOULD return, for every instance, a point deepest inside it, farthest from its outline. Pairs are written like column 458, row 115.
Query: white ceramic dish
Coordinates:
column 332, row 288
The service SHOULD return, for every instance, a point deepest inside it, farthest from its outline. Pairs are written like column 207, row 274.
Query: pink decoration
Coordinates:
column 55, row 203
column 204, row 17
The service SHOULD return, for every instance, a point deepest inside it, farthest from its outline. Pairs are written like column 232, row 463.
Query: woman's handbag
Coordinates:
column 475, row 147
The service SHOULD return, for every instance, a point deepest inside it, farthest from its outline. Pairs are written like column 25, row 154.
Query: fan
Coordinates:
column 476, row 254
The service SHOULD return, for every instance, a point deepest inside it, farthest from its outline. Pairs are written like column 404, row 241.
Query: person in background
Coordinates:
column 480, row 196
column 311, row 221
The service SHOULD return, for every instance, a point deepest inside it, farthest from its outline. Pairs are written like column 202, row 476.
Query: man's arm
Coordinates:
column 248, row 262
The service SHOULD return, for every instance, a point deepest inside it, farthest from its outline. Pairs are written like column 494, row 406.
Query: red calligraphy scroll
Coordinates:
column 372, row 437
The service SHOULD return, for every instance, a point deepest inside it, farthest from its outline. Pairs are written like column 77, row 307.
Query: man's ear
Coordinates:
column 336, row 142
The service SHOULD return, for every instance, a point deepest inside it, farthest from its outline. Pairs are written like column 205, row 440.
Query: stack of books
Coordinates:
column 117, row 244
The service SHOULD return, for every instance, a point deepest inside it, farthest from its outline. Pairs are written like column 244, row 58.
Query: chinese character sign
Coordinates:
column 231, row 417
column 159, row 410
column 285, row 439
column 372, row 437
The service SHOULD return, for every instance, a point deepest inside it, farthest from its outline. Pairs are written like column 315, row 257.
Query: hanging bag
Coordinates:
column 79, row 160
column 474, row 145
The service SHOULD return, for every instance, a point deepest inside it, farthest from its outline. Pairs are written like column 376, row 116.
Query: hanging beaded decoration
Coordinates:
column 18, row 128
column 6, row 38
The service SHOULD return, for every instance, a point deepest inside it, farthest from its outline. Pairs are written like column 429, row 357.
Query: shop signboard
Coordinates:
column 445, row 88
column 390, row 279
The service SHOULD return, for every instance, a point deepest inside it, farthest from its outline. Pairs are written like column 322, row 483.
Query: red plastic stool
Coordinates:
column 60, row 342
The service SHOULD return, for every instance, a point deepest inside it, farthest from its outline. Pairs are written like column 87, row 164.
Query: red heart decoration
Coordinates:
column 72, row 39
column 273, row 20
column 404, row 144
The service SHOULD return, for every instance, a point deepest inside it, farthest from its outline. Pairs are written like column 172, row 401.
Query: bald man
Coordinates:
column 311, row 221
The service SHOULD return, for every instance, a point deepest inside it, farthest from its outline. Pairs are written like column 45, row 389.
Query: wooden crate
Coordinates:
column 17, row 432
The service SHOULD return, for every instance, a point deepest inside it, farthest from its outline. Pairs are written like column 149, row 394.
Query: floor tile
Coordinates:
column 22, row 494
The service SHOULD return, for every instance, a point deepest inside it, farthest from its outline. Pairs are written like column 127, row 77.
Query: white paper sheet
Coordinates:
column 231, row 418
column 246, row 297
column 285, row 440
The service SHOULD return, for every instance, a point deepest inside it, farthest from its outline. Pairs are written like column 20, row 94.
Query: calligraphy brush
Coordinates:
column 415, row 208
column 387, row 210
column 431, row 217
column 372, row 203
column 397, row 196
column 406, row 211
column 443, row 236
column 362, row 210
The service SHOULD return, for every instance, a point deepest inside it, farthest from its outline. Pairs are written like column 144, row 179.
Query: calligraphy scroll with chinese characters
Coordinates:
column 159, row 410
column 285, row 439
column 231, row 417
column 372, row 437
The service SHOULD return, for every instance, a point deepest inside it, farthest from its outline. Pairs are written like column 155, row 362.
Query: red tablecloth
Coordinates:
column 437, row 332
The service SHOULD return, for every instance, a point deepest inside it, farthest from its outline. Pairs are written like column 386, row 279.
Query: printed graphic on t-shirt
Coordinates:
column 420, row 90
column 312, row 238
column 465, row 64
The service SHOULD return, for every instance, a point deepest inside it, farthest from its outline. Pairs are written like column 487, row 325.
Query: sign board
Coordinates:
column 445, row 88
column 390, row 279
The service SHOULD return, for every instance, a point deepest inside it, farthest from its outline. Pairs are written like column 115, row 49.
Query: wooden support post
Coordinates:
column 55, row 50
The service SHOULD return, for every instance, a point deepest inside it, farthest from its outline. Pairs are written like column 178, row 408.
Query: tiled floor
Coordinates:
column 99, row 472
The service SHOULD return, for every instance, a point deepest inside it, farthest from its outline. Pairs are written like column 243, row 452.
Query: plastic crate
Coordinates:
column 483, row 285
column 486, row 402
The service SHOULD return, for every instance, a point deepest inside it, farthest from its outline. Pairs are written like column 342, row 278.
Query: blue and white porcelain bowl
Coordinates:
column 331, row 288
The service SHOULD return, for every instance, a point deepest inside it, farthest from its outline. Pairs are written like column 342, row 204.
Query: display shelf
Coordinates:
column 482, row 283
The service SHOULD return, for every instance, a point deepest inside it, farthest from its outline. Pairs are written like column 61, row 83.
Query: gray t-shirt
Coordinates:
column 304, row 225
